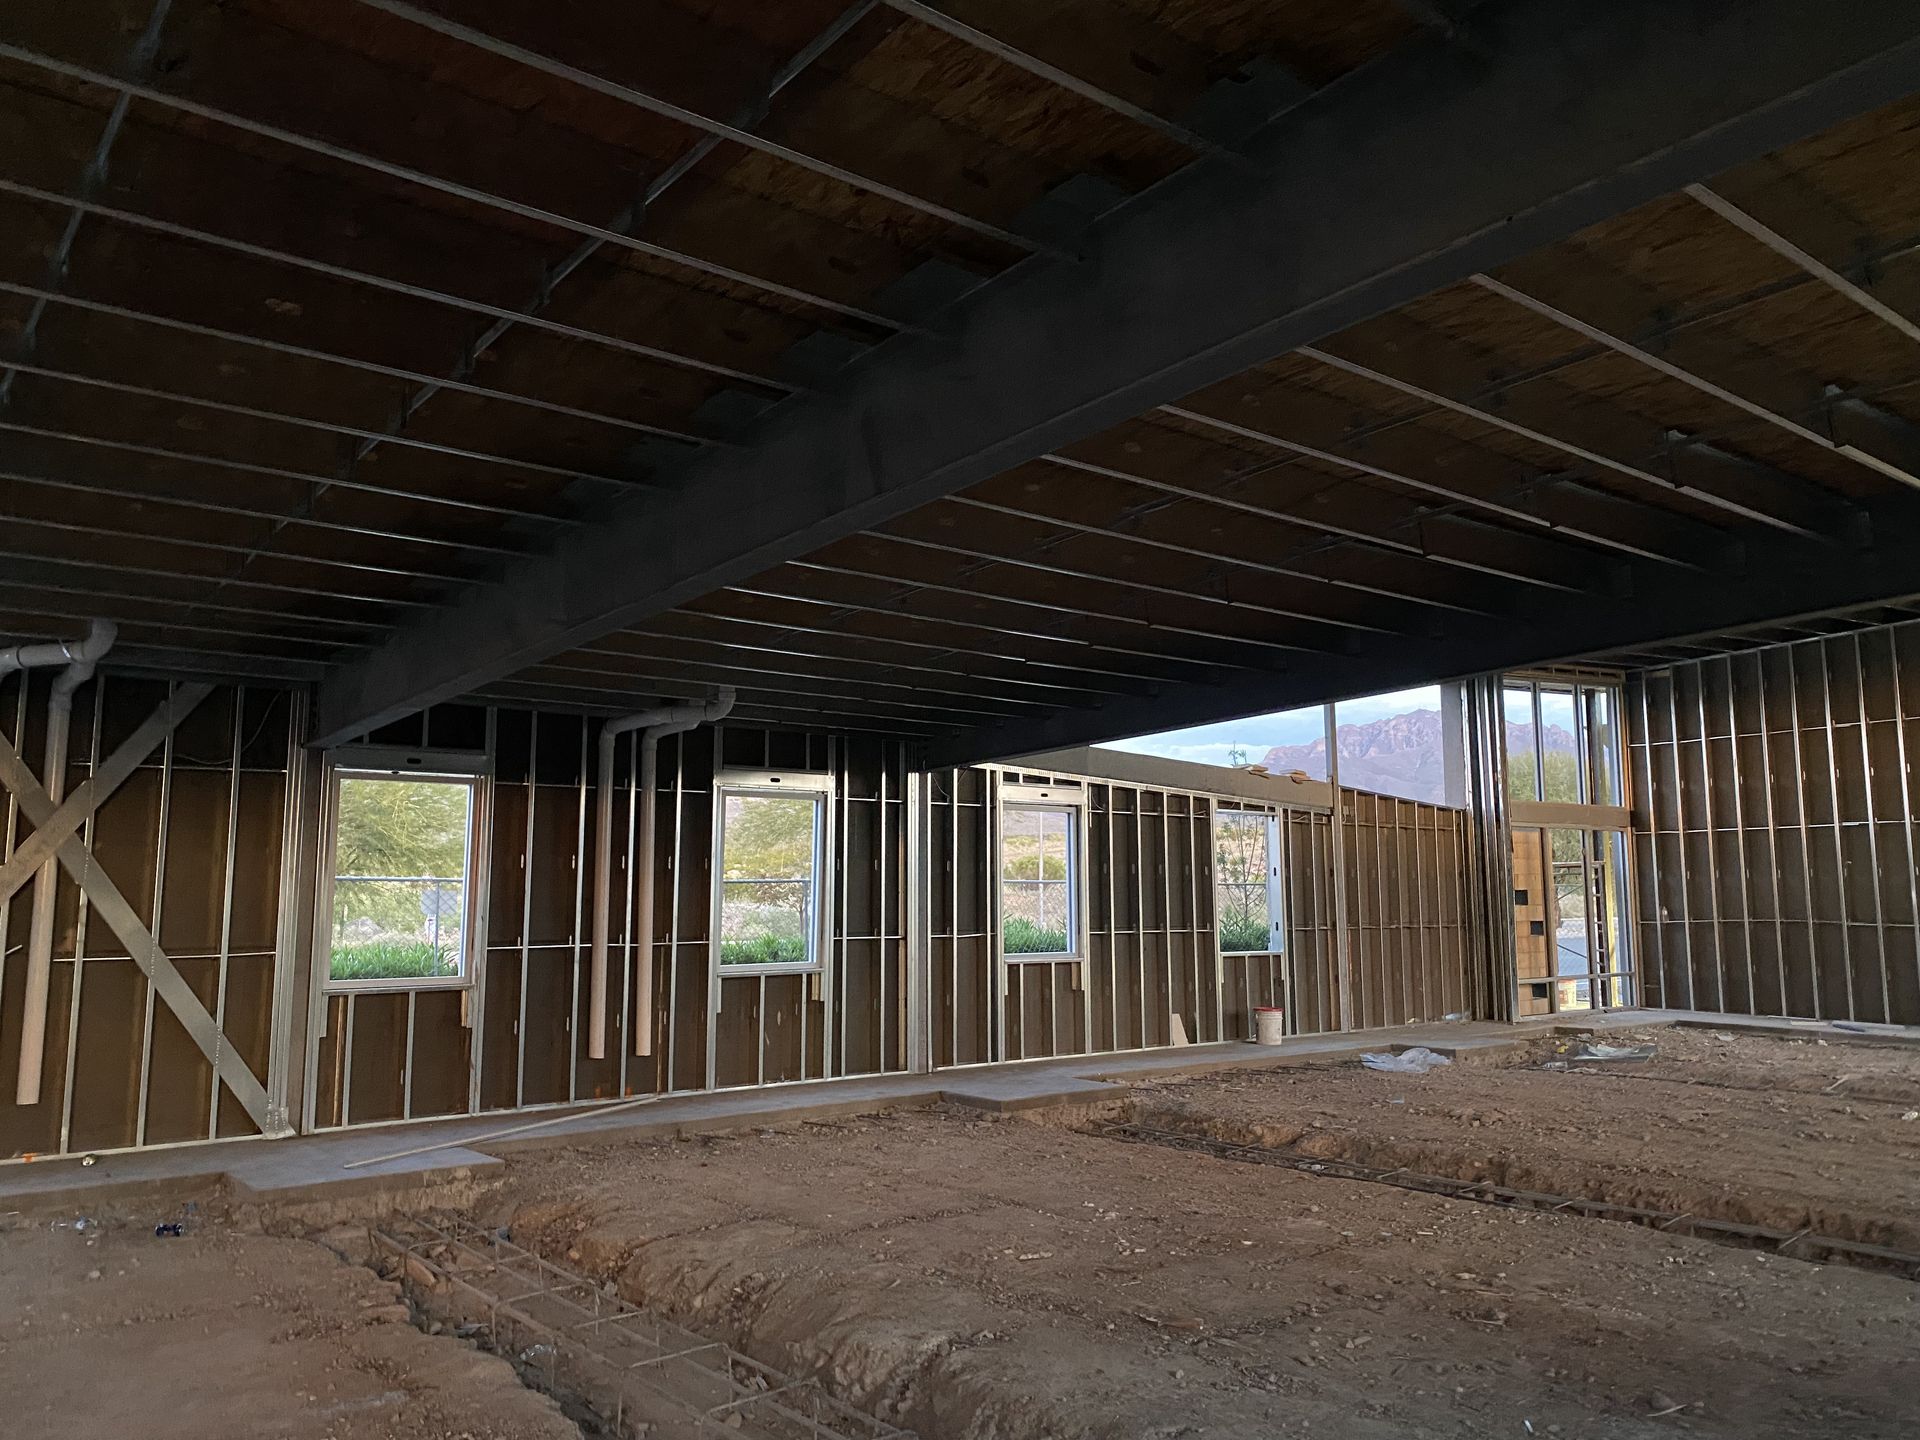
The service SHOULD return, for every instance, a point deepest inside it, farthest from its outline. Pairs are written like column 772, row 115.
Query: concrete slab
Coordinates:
column 1007, row 1094
column 1834, row 1032
column 408, row 1159
column 653, row 1117
column 48, row 1186
column 291, row 1175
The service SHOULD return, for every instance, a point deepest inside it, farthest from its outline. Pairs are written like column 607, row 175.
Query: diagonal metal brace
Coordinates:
column 112, row 907
column 38, row 848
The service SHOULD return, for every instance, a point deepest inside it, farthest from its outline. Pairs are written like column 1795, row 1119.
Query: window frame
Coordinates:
column 1277, row 918
column 1571, row 693
column 470, row 769
column 1450, row 696
column 1512, row 687
column 1605, row 831
column 820, row 789
column 1073, row 800
column 1590, row 756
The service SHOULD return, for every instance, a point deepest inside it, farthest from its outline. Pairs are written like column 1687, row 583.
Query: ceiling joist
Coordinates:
column 1184, row 288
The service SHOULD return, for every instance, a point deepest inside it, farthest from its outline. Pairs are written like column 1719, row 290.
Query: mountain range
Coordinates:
column 1399, row 754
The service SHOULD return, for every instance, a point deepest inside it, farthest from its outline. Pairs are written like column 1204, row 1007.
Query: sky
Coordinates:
column 1213, row 744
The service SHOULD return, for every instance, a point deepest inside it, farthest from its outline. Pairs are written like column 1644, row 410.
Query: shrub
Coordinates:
column 391, row 960
column 1023, row 937
column 1244, row 932
column 764, row 950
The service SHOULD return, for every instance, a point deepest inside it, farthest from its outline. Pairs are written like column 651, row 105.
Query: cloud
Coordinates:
column 1167, row 747
column 1256, row 734
column 1398, row 702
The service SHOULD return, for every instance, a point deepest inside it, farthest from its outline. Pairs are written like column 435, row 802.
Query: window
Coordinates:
column 1603, row 745
column 1284, row 742
column 770, row 840
column 1039, row 876
column 1563, row 743
column 1591, row 966
column 1247, row 901
column 1523, row 768
column 1406, row 743
column 1564, row 779
column 402, row 858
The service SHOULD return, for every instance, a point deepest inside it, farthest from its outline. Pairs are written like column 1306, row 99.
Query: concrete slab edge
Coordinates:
column 1007, row 1090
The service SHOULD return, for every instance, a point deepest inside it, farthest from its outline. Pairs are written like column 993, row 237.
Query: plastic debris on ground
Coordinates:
column 1417, row 1061
column 1592, row 1051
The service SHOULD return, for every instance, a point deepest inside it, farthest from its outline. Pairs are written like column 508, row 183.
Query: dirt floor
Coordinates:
column 1783, row 1133
column 985, row 1278
column 982, row 1277
column 216, row 1335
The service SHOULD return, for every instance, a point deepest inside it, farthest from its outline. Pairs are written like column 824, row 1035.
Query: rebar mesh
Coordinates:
column 636, row 1372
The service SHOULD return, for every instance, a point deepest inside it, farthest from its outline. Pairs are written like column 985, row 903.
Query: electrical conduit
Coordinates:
column 80, row 657
column 653, row 724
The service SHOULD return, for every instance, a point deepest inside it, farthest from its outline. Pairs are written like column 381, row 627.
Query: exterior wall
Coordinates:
column 1151, row 948
column 204, row 834
column 193, row 841
column 1776, row 829
column 961, row 952
column 405, row 1053
column 1376, row 910
column 1305, row 981
column 1407, row 932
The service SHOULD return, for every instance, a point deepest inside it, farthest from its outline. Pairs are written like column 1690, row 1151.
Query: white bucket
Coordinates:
column 1269, row 1024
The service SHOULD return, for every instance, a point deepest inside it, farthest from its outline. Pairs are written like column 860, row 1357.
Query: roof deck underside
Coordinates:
column 1004, row 377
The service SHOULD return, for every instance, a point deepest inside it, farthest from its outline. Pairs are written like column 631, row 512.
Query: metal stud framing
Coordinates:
column 1775, row 831
column 525, row 1052
column 182, row 839
column 1386, row 935
column 914, row 979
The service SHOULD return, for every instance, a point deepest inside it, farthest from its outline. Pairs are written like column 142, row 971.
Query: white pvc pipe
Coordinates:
column 664, row 720
column 81, row 656
column 55, row 652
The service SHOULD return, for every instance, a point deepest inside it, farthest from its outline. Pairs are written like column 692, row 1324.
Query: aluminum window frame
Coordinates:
column 1591, row 755
column 1277, row 918
column 471, row 769
column 1450, row 695
column 1515, row 688
column 1044, row 798
column 1602, row 826
column 819, row 787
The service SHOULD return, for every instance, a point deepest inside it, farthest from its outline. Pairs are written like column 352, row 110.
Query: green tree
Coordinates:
column 767, row 865
column 768, row 837
column 1563, row 777
column 1568, row 846
column 1240, row 882
column 389, row 927
column 401, row 827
